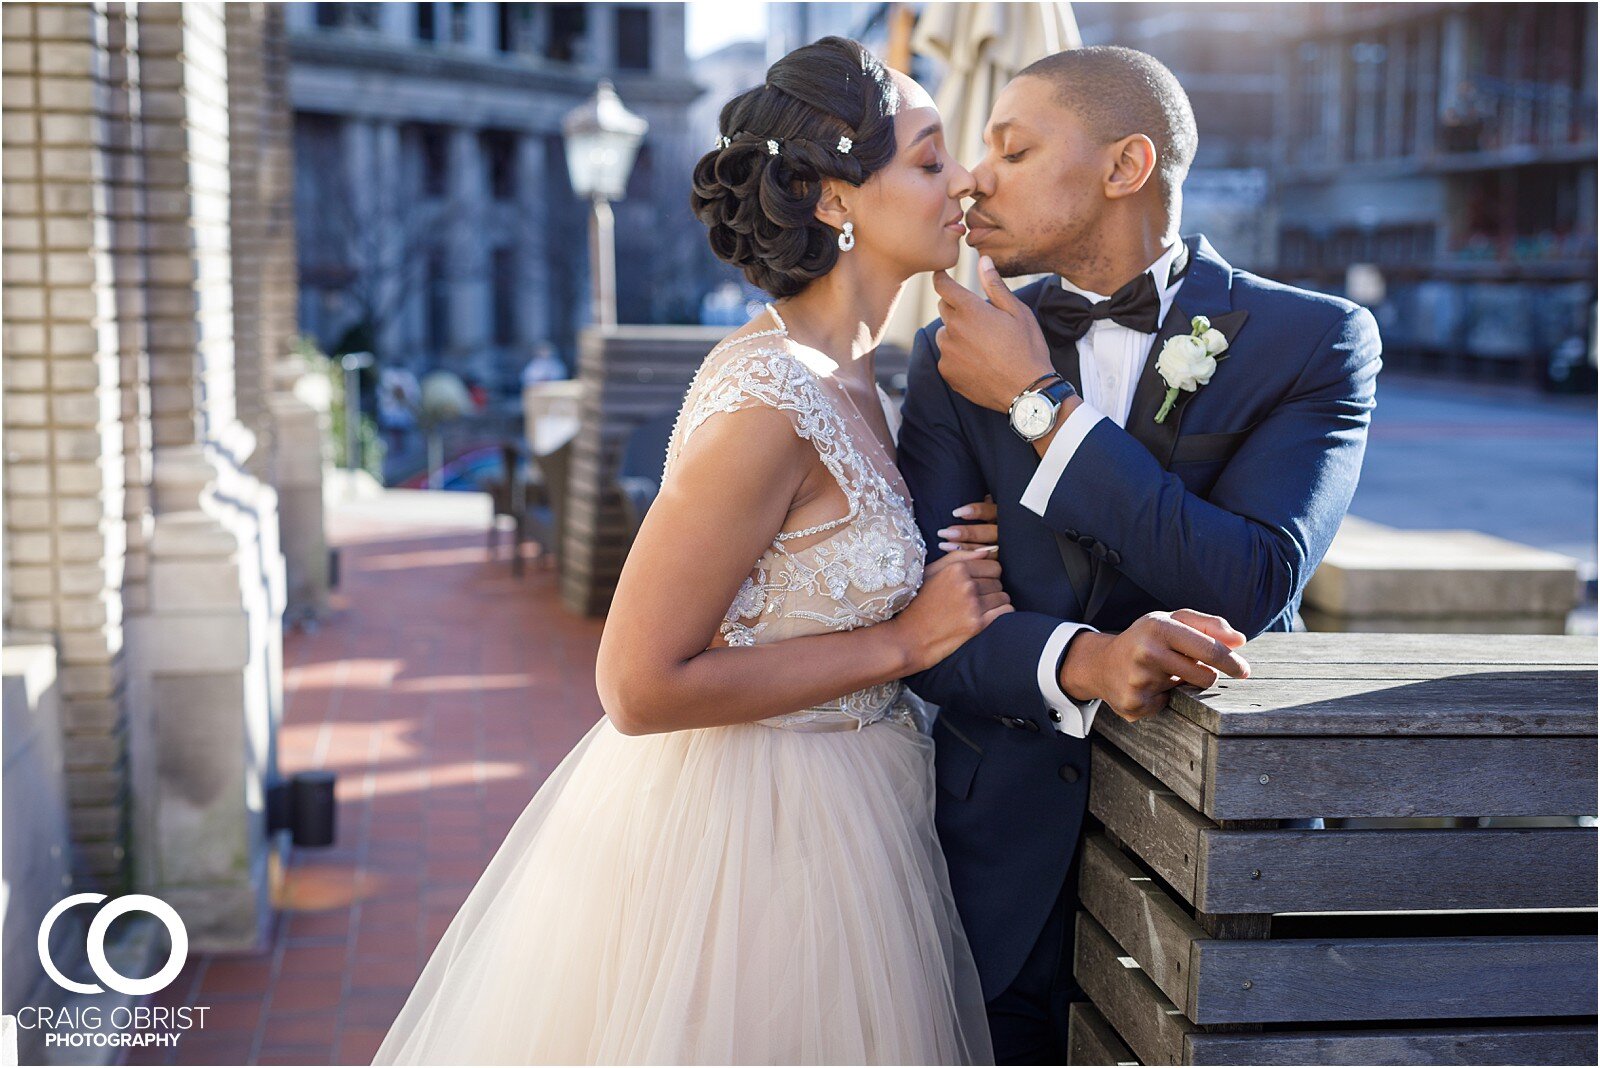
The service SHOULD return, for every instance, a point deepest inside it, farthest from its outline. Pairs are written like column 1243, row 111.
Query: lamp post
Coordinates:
column 602, row 139
column 353, row 363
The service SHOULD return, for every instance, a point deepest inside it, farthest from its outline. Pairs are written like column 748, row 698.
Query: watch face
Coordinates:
column 1032, row 415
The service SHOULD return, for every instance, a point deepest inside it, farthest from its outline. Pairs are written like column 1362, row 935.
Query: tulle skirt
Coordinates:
column 728, row 895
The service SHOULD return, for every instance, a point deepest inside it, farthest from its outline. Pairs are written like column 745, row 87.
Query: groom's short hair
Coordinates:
column 1118, row 92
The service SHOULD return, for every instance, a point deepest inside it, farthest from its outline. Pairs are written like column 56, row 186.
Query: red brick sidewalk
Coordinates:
column 442, row 691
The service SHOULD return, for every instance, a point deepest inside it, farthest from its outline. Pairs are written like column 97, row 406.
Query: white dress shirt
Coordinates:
column 1111, row 358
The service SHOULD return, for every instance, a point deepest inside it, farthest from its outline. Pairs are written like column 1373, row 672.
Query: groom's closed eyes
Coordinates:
column 1009, row 140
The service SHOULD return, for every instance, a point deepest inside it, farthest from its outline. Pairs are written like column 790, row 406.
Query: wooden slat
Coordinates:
column 1141, row 917
column 1511, row 1044
column 1277, row 671
column 1265, row 871
column 1551, row 701
column 1238, row 981
column 1379, row 869
column 1091, row 1040
column 1573, row 650
column 1151, row 820
column 1305, row 980
column 1171, row 747
column 1533, row 776
column 1151, row 1025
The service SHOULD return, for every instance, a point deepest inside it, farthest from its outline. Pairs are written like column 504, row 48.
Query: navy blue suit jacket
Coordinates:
column 1226, row 507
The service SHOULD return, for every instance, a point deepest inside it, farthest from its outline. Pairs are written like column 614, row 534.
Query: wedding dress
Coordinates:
column 766, row 892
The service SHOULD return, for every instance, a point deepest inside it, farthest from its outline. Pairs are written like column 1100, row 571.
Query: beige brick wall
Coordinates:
column 146, row 305
column 65, row 485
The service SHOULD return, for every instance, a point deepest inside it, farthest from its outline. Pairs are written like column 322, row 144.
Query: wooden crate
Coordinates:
column 1214, row 931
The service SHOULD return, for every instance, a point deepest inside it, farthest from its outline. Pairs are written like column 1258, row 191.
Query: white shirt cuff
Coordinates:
column 1036, row 498
column 1076, row 716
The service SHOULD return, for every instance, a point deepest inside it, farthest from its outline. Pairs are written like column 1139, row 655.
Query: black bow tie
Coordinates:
column 1066, row 316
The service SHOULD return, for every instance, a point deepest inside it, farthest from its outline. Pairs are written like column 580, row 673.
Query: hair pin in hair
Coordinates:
column 772, row 148
column 724, row 141
column 845, row 145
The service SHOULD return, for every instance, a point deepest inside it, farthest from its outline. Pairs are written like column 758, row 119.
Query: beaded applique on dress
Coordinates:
column 865, row 571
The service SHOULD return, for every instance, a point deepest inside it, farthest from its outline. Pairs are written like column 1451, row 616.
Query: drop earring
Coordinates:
column 847, row 239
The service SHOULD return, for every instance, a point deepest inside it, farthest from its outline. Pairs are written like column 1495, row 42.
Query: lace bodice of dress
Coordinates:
column 869, row 565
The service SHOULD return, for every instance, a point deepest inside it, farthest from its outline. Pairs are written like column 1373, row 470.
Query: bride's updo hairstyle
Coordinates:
column 828, row 109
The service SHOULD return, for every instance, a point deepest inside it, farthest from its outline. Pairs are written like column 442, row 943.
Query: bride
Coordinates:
column 738, row 863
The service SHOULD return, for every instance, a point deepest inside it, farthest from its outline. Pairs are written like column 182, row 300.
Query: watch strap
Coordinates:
column 1034, row 385
column 1059, row 391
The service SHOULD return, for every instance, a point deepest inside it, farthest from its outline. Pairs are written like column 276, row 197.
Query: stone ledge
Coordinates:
column 1373, row 571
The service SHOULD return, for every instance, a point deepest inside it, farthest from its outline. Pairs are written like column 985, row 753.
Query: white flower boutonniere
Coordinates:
column 1188, row 361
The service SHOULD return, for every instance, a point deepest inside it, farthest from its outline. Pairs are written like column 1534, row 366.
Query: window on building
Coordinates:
column 348, row 16
column 426, row 29
column 459, row 27
column 500, row 155
column 434, row 152
column 633, row 38
column 505, row 296
column 438, row 303
column 569, row 26
column 514, row 27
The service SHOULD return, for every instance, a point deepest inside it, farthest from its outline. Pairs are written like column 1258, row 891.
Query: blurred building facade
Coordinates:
column 154, row 446
column 1435, row 161
column 438, row 228
column 1439, row 161
column 1226, row 57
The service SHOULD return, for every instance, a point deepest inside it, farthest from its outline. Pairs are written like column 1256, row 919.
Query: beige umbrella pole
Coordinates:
column 982, row 47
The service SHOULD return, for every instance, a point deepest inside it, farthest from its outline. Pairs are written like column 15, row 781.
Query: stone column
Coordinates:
column 600, row 40
column 533, row 219
column 265, row 297
column 392, row 337
column 209, row 686
column 399, row 23
column 481, row 28
column 138, row 542
column 469, row 295
column 65, row 523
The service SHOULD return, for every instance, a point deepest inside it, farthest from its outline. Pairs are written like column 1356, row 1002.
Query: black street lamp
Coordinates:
column 602, row 139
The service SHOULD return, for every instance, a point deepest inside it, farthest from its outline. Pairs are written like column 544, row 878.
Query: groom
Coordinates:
column 1137, row 534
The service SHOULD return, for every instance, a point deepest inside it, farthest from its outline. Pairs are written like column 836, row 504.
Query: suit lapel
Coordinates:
column 1205, row 290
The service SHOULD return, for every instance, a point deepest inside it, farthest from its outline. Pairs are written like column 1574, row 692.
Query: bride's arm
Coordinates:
column 730, row 490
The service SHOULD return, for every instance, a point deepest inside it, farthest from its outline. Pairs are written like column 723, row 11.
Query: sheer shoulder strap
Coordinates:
column 756, row 370
column 742, row 374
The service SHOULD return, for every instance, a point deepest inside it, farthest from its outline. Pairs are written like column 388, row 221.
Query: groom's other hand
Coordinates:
column 989, row 350
column 1134, row 670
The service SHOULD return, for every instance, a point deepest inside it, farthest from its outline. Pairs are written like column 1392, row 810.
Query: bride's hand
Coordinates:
column 980, row 527
column 960, row 595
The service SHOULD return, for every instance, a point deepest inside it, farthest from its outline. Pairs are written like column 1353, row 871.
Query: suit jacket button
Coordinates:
column 1071, row 534
column 1100, row 550
column 1113, row 557
column 1069, row 773
column 1030, row 725
column 1086, row 540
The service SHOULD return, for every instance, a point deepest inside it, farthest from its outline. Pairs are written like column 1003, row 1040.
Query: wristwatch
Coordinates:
column 1033, row 413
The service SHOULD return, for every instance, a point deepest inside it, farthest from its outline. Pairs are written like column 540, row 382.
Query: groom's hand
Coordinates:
column 1134, row 670
column 989, row 351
